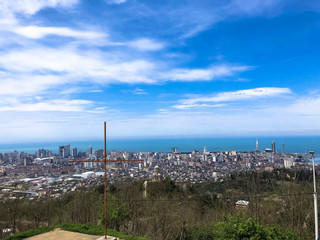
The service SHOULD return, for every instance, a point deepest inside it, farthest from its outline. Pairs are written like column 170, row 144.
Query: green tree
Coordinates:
column 240, row 227
column 117, row 214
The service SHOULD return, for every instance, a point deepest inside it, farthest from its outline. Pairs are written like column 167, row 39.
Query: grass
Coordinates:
column 80, row 228
column 29, row 233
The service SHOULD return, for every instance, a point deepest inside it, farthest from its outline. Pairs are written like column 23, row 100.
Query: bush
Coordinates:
column 29, row 233
column 241, row 227
column 237, row 228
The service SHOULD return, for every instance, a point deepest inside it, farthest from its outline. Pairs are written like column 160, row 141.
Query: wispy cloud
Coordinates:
column 145, row 44
column 38, row 69
column 204, row 74
column 36, row 32
column 298, row 116
column 198, row 106
column 115, row 1
column 71, row 64
column 32, row 6
column 255, row 93
column 75, row 105
column 139, row 91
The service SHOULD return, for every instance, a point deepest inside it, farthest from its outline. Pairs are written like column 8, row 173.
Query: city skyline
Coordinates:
column 158, row 69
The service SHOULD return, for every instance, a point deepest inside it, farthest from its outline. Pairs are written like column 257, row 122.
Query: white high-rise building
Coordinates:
column 205, row 150
column 89, row 151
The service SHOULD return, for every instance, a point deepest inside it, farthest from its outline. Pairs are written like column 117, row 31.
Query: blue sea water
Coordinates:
column 292, row 144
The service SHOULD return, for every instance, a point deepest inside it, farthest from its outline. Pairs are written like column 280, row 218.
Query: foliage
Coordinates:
column 117, row 214
column 237, row 228
column 240, row 227
column 29, row 233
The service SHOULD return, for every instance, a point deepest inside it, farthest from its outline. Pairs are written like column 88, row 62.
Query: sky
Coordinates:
column 158, row 69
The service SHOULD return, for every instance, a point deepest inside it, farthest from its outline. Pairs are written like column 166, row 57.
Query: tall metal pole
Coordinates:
column 315, row 198
column 105, row 173
column 105, row 180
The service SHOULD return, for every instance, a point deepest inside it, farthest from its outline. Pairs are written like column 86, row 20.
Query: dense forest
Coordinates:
column 280, row 202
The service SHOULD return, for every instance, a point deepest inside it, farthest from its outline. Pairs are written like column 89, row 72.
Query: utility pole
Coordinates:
column 315, row 198
column 105, row 161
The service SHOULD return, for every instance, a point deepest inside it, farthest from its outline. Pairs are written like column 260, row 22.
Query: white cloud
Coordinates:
column 204, row 74
column 96, row 91
column 76, row 65
column 139, row 91
column 28, row 71
column 116, row 1
column 299, row 116
column 36, row 32
column 28, row 85
column 188, row 106
column 253, row 8
column 74, row 105
column 231, row 96
column 145, row 44
column 304, row 107
column 30, row 7
column 190, row 19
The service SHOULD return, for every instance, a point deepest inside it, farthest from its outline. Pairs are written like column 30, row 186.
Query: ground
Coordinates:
column 65, row 235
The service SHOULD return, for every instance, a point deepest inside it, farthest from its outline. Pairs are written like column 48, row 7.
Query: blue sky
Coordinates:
column 158, row 69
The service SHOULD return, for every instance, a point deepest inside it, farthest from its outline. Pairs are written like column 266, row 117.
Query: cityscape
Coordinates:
column 45, row 175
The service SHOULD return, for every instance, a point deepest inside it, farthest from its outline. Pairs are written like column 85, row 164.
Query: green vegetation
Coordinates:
column 29, row 233
column 280, row 198
column 80, row 228
column 117, row 214
column 237, row 228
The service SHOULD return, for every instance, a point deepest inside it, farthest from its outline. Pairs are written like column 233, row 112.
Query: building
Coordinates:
column 64, row 151
column 67, row 150
column 174, row 150
column 157, row 174
column 242, row 204
column 205, row 150
column 274, row 147
column 98, row 153
column 288, row 162
column 74, row 152
column 61, row 151
column 89, row 151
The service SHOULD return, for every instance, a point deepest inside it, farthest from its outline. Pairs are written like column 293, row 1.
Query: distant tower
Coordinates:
column 89, row 151
column 61, row 149
column 74, row 152
column 257, row 145
column 156, row 173
column 66, row 152
column 205, row 150
column 282, row 147
column 174, row 150
column 274, row 147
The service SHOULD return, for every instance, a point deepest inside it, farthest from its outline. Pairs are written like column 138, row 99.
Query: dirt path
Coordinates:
column 65, row 235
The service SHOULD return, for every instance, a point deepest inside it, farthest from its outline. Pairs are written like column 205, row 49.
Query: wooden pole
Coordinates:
column 105, row 180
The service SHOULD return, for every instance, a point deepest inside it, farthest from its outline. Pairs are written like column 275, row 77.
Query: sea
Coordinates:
column 240, row 144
